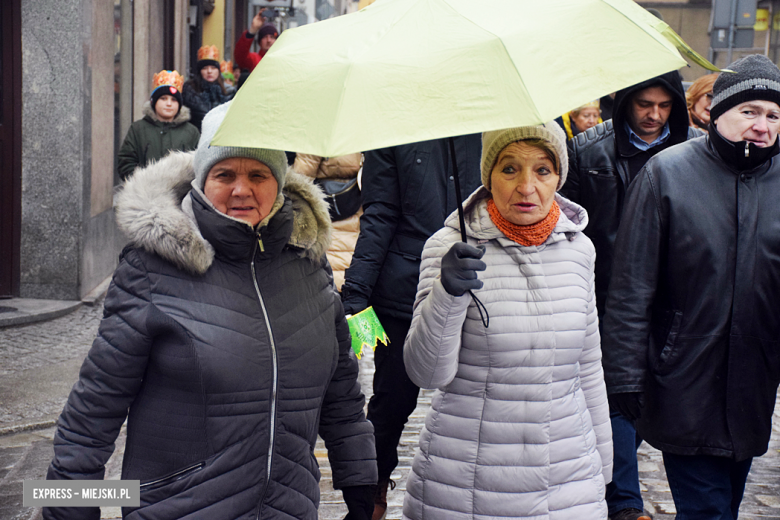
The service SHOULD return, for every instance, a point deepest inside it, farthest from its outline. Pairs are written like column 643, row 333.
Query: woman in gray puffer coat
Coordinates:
column 519, row 427
column 224, row 337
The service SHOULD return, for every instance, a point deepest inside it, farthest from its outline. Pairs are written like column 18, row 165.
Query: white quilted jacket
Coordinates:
column 520, row 425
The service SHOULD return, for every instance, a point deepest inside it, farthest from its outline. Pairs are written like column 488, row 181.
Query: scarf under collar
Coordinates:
column 531, row 235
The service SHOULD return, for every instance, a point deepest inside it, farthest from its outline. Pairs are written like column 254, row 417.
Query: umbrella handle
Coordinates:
column 485, row 318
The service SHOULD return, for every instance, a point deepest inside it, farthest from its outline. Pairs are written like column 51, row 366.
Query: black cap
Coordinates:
column 754, row 77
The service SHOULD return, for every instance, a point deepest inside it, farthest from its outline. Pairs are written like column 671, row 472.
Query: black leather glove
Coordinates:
column 360, row 502
column 629, row 404
column 459, row 268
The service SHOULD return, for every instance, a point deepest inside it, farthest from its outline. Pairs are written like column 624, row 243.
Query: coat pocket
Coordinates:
column 664, row 351
column 156, row 483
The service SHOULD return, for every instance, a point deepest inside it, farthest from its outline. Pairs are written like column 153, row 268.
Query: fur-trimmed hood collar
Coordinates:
column 182, row 117
column 155, row 209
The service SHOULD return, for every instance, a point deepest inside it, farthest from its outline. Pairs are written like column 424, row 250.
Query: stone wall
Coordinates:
column 69, row 242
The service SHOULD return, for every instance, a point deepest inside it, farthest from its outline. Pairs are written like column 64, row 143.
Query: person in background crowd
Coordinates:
column 224, row 345
column 345, row 231
column 698, row 98
column 207, row 90
column 266, row 35
column 691, row 330
column 580, row 119
column 237, row 72
column 408, row 192
column 649, row 117
column 226, row 69
column 164, row 127
column 519, row 427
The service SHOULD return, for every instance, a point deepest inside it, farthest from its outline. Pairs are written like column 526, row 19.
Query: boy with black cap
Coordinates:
column 690, row 336
column 164, row 127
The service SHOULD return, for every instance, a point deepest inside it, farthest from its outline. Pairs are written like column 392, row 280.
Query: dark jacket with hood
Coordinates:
column 230, row 349
column 602, row 164
column 150, row 139
column 691, row 317
column 408, row 192
column 201, row 96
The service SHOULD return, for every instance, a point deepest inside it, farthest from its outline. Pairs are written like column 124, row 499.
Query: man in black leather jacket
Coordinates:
column 648, row 117
column 408, row 192
column 691, row 337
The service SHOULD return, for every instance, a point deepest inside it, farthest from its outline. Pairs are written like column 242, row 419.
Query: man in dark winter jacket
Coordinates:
column 691, row 337
column 648, row 117
column 408, row 191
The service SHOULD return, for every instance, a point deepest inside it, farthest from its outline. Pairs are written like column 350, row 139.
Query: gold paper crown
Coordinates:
column 208, row 52
column 167, row 77
column 226, row 66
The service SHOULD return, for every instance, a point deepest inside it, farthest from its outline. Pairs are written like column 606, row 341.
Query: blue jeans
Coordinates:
column 706, row 487
column 623, row 492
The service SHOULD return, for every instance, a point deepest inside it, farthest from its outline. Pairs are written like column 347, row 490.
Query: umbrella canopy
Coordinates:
column 403, row 71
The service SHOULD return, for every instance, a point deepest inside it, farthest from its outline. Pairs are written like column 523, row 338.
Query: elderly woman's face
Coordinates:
column 241, row 188
column 523, row 183
column 586, row 118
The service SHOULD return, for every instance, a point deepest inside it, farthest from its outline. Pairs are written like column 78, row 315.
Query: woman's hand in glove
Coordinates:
column 459, row 268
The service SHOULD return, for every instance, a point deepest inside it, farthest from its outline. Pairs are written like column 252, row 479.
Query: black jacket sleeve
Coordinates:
column 348, row 435
column 381, row 213
column 571, row 188
column 129, row 154
column 109, row 380
column 639, row 252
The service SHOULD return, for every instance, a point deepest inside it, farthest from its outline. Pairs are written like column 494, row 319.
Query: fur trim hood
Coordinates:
column 182, row 117
column 154, row 210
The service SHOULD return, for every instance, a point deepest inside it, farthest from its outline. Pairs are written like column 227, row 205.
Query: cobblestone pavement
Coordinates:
column 46, row 347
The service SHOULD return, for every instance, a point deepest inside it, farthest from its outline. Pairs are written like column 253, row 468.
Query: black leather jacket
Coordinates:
column 692, row 310
column 602, row 164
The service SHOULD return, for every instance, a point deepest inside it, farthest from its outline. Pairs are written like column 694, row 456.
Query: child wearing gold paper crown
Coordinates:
column 207, row 90
column 164, row 127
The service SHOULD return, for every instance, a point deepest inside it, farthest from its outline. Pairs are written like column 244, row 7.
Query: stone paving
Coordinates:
column 57, row 347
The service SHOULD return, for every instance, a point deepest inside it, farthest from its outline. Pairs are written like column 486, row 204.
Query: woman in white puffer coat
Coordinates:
column 520, row 425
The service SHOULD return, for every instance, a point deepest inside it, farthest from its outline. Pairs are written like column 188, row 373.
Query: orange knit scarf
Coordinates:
column 531, row 235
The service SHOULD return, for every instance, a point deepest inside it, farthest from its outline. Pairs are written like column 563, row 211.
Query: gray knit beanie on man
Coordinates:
column 754, row 77
column 207, row 155
column 495, row 141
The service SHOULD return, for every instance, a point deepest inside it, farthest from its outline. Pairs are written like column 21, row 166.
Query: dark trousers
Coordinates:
column 623, row 492
column 706, row 487
column 395, row 396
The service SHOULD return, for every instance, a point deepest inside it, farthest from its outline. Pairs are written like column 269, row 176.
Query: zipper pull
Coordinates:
column 260, row 242
column 747, row 149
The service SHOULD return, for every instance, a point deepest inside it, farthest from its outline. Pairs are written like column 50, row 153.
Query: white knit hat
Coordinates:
column 207, row 156
column 495, row 141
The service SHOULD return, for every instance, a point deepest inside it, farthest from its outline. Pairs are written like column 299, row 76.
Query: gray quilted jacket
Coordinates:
column 519, row 427
column 230, row 350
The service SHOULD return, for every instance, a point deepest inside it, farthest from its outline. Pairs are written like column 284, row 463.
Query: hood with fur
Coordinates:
column 150, row 211
column 182, row 117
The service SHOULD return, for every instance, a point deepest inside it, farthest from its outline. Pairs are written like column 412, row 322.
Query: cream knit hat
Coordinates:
column 495, row 141
column 207, row 156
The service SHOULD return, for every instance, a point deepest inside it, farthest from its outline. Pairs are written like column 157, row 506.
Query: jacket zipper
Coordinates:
column 275, row 381
column 175, row 476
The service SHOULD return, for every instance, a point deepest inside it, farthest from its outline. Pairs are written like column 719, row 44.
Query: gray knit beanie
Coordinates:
column 207, row 156
column 754, row 77
column 495, row 141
